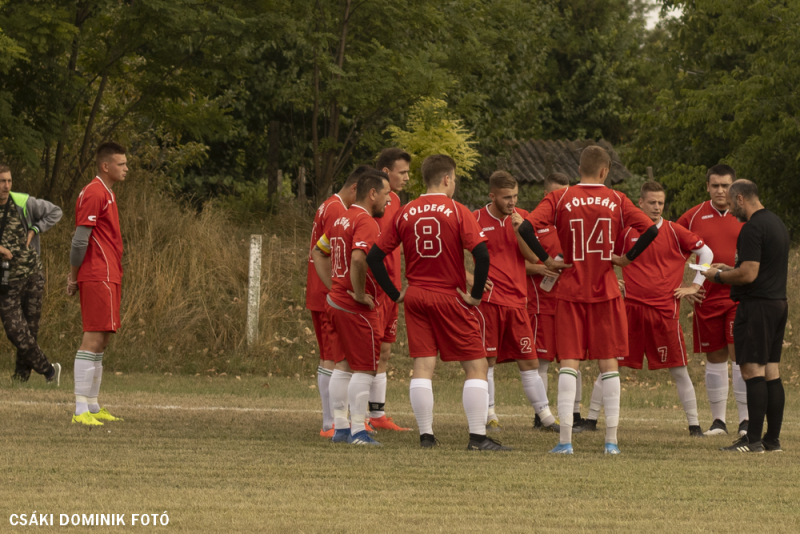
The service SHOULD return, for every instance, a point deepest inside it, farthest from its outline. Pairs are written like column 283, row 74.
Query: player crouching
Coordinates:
column 353, row 306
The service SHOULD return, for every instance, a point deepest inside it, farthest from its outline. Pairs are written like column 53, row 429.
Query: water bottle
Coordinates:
column 5, row 267
column 549, row 281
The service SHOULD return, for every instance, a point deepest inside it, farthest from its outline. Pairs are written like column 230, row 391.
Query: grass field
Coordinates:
column 222, row 454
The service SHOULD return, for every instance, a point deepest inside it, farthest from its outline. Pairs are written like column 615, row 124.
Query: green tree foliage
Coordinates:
column 733, row 99
column 432, row 130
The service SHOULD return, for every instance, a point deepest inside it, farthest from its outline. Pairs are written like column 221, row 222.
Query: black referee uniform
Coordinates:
column 761, row 319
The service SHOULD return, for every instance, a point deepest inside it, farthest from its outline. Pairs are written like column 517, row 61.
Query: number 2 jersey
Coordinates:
column 434, row 231
column 589, row 219
column 354, row 230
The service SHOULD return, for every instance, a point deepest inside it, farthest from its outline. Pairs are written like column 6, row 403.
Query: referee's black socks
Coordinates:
column 757, row 398
column 776, row 398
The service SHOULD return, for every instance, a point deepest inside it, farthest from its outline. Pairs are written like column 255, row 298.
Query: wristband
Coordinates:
column 718, row 277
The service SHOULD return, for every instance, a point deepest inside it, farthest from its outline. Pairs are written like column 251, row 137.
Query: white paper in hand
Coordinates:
column 702, row 268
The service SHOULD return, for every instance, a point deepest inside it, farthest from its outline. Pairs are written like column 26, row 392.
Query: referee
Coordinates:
column 758, row 284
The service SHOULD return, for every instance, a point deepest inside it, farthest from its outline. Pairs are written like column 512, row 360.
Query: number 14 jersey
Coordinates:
column 589, row 219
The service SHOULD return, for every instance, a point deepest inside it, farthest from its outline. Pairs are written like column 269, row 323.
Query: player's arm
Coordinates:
column 77, row 252
column 539, row 269
column 693, row 293
column 375, row 263
column 480, row 255
column 321, row 255
column 44, row 215
column 528, row 236
column 636, row 250
column 358, row 278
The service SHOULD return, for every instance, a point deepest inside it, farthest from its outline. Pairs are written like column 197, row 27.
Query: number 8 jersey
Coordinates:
column 589, row 219
column 434, row 231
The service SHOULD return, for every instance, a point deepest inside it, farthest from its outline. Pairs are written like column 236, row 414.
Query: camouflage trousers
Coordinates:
column 20, row 311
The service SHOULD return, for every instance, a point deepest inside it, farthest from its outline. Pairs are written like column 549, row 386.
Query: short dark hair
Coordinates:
column 594, row 159
column 109, row 148
column 389, row 156
column 746, row 188
column 357, row 173
column 650, row 187
column 502, row 180
column 370, row 180
column 556, row 178
column 4, row 169
column 435, row 167
column 721, row 170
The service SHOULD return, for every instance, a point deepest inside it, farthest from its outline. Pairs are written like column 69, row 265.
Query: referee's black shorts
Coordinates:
column 758, row 330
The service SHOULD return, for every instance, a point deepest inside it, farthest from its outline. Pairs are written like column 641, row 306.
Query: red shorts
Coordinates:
column 712, row 327
column 323, row 329
column 443, row 324
column 358, row 337
column 591, row 330
column 651, row 333
column 100, row 303
column 508, row 333
column 544, row 330
column 389, row 315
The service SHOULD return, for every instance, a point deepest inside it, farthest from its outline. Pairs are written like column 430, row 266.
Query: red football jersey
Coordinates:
column 540, row 301
column 655, row 275
column 720, row 230
column 434, row 231
column 589, row 218
column 328, row 212
column 354, row 230
column 392, row 261
column 97, row 207
column 507, row 264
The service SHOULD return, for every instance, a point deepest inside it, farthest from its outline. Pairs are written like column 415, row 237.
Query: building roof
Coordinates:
column 531, row 161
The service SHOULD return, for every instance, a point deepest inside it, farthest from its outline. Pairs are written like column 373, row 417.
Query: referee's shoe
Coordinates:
column 743, row 445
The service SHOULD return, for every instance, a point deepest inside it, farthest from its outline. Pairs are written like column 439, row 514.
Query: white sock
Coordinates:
column 739, row 391
column 597, row 399
column 686, row 393
column 339, row 382
column 323, row 383
column 91, row 400
column 490, row 380
column 578, row 393
column 84, row 375
column 420, row 393
column 717, row 388
column 611, row 394
column 566, row 401
column 476, row 404
column 377, row 396
column 358, row 395
column 544, row 365
column 534, row 390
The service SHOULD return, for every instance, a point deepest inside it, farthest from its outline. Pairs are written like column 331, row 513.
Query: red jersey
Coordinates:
column 655, row 275
column 507, row 264
column 354, row 230
column 589, row 218
column 392, row 261
column 540, row 301
column 97, row 207
column 328, row 212
column 434, row 231
column 720, row 230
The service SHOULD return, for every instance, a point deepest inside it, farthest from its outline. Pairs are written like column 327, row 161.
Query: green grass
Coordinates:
column 222, row 454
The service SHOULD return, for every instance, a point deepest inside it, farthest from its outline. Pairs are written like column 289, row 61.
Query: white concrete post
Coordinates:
column 254, row 289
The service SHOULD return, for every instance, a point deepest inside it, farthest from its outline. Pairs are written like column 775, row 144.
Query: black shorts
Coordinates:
column 758, row 331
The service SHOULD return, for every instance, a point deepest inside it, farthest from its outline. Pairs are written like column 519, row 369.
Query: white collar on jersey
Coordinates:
column 110, row 192
column 340, row 198
column 660, row 222
column 592, row 185
column 501, row 221
column 432, row 194
column 721, row 213
column 362, row 207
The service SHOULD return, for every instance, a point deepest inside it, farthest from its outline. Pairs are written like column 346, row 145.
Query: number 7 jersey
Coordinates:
column 589, row 219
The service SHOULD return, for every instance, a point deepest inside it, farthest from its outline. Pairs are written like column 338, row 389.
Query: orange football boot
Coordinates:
column 386, row 423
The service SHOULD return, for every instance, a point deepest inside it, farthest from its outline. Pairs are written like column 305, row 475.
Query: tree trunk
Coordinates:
column 273, row 155
column 301, row 184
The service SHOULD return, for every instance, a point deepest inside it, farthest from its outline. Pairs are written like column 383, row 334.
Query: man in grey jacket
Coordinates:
column 22, row 219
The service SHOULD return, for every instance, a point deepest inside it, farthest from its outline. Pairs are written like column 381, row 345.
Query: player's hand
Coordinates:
column 402, row 296
column 621, row 284
column 488, row 286
column 468, row 298
column 693, row 294
column 6, row 253
column 542, row 270
column 722, row 267
column 554, row 265
column 516, row 220
column 72, row 286
column 364, row 299
column 620, row 261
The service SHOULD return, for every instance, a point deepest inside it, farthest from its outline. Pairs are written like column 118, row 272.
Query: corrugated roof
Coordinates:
column 531, row 161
